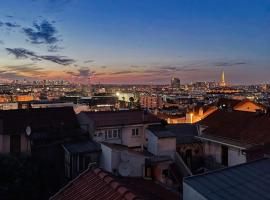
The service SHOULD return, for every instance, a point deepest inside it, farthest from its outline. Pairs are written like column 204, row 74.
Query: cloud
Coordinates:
column 89, row 61
column 21, row 53
column 81, row 75
column 137, row 66
column 229, row 64
column 2, row 42
column 11, row 25
column 42, row 33
column 54, row 48
column 123, row 72
column 61, row 60
column 170, row 68
column 84, row 72
column 23, row 71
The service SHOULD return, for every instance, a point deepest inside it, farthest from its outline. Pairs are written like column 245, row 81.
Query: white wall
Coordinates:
column 133, row 141
column 137, row 163
column 166, row 146
column 190, row 194
column 106, row 158
column 160, row 146
column 235, row 155
column 152, row 146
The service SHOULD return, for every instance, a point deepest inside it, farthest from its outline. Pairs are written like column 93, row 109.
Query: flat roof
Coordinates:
column 248, row 181
column 82, row 147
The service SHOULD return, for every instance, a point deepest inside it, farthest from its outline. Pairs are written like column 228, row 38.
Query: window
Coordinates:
column 109, row 134
column 135, row 132
column 100, row 134
column 112, row 133
column 115, row 133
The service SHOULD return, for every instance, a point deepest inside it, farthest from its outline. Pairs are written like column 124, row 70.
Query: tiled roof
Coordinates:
column 39, row 119
column 121, row 118
column 249, row 181
column 99, row 185
column 244, row 127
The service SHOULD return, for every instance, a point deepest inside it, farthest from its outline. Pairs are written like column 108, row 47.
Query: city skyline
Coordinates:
column 135, row 42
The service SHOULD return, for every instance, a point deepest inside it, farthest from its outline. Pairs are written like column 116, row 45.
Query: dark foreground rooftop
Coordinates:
column 249, row 181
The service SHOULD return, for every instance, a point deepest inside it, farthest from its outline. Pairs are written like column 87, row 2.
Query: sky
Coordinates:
column 135, row 41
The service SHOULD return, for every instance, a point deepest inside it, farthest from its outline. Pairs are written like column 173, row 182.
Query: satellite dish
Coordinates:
column 28, row 131
column 124, row 169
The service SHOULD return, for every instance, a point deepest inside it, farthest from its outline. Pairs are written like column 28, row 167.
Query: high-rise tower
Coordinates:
column 222, row 80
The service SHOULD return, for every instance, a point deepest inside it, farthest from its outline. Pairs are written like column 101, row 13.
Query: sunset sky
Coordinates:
column 135, row 41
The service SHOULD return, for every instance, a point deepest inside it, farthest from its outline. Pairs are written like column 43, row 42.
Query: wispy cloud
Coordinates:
column 21, row 53
column 123, row 72
column 137, row 66
column 89, row 61
column 82, row 74
column 11, row 25
column 42, row 33
column 229, row 64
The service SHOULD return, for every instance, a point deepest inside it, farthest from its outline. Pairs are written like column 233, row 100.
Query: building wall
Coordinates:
column 25, row 144
column 213, row 149
column 158, row 169
column 235, row 155
column 133, row 141
column 160, row 146
column 190, row 194
column 152, row 141
column 4, row 144
column 137, row 163
column 106, row 158
column 166, row 146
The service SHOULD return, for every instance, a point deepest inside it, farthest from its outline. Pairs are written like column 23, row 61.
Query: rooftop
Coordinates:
column 39, row 119
column 82, row 147
column 121, row 118
column 161, row 131
column 244, row 127
column 97, row 184
column 249, row 181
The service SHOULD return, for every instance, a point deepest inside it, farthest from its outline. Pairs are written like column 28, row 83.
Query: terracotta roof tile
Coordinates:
column 97, row 184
